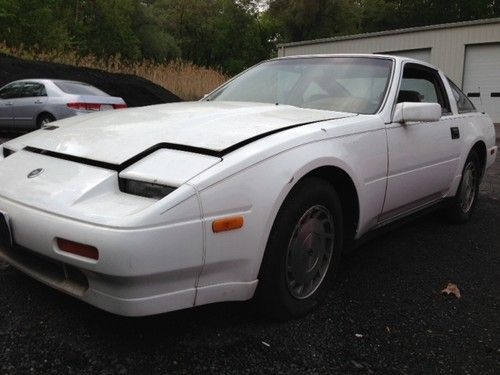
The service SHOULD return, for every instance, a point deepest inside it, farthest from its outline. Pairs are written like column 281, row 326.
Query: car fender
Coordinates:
column 475, row 127
column 233, row 255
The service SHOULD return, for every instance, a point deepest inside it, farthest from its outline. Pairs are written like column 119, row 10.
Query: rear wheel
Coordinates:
column 44, row 119
column 303, row 251
column 464, row 203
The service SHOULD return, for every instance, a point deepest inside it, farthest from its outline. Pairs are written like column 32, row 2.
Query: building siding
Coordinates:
column 447, row 44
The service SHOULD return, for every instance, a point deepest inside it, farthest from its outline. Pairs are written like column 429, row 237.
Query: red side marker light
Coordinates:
column 79, row 249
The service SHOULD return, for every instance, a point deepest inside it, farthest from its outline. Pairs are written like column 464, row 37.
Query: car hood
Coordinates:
column 117, row 136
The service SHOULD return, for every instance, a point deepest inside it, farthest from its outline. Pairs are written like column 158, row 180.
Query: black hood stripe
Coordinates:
column 166, row 145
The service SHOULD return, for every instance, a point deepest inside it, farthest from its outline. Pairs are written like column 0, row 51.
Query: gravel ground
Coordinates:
column 387, row 316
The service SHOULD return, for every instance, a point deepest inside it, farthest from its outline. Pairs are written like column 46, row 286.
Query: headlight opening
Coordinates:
column 145, row 189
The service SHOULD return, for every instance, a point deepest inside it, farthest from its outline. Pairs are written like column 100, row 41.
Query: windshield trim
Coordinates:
column 390, row 80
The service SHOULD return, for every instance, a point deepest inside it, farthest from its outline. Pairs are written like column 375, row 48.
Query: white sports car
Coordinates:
column 254, row 190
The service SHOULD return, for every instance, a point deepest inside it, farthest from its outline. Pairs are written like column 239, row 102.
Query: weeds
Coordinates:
column 186, row 80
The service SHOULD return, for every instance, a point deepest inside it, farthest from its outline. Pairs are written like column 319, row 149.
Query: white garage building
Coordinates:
column 468, row 52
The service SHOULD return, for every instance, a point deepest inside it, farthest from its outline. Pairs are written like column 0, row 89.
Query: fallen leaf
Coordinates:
column 452, row 289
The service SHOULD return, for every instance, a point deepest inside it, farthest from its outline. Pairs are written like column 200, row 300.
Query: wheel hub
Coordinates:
column 469, row 186
column 309, row 252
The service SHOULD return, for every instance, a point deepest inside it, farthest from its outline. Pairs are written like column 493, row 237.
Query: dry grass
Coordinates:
column 186, row 80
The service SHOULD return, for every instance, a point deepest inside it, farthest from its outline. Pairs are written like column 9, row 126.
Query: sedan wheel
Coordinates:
column 44, row 119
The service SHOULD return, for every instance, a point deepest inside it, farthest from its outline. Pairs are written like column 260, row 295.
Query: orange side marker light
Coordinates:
column 79, row 249
column 228, row 223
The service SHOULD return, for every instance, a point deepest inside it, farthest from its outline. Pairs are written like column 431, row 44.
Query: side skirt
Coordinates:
column 391, row 225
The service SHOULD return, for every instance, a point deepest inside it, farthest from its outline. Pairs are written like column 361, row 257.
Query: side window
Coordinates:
column 464, row 105
column 11, row 91
column 423, row 85
column 32, row 89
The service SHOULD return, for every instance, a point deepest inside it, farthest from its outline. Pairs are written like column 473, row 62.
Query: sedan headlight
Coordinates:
column 145, row 189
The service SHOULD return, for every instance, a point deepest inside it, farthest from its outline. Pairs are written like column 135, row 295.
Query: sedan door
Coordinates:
column 7, row 93
column 424, row 156
column 28, row 106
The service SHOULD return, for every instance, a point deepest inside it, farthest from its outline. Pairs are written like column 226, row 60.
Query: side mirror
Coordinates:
column 417, row 112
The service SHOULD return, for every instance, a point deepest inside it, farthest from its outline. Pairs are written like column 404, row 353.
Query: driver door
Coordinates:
column 423, row 157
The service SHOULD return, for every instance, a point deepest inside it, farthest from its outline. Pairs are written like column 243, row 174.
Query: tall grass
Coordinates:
column 186, row 80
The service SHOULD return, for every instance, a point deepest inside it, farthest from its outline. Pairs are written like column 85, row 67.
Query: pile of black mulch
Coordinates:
column 136, row 91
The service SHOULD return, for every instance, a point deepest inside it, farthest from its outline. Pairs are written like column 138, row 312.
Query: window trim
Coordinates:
column 13, row 84
column 454, row 86
column 429, row 69
column 33, row 83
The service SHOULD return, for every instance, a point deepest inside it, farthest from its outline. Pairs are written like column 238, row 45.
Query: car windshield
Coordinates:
column 347, row 84
column 76, row 88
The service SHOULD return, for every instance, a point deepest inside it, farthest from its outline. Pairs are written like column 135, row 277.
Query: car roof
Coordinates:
column 364, row 55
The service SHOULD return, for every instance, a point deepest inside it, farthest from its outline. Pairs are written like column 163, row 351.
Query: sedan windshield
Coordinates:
column 346, row 84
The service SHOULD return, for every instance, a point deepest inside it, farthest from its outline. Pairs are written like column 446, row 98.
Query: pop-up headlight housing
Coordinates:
column 163, row 171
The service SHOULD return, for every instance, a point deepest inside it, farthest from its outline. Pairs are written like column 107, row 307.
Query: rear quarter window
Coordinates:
column 74, row 88
column 464, row 105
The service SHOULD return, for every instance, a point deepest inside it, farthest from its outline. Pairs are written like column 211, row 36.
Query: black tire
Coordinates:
column 315, row 202
column 44, row 119
column 464, row 203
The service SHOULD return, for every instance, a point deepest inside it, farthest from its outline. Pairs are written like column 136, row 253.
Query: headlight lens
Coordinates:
column 145, row 189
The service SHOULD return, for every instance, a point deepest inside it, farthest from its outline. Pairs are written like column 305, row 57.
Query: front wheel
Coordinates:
column 303, row 251
column 464, row 203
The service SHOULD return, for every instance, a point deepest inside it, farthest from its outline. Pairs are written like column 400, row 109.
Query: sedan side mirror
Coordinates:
column 417, row 112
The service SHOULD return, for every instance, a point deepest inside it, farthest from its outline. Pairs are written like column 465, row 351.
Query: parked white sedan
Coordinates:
column 254, row 190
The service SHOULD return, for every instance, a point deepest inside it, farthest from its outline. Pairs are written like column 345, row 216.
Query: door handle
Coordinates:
column 38, row 101
column 8, row 103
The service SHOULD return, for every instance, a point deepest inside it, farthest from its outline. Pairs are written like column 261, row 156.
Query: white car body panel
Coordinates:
column 213, row 126
column 169, row 167
column 224, row 159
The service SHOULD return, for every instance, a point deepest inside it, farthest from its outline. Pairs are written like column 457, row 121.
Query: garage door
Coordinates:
column 417, row 54
column 482, row 78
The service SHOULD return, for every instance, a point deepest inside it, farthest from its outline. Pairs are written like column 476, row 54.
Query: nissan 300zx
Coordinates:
column 254, row 190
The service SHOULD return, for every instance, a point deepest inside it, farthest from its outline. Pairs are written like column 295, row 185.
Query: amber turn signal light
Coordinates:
column 228, row 223
column 79, row 249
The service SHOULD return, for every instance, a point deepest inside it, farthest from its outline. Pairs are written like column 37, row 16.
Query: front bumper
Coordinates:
column 142, row 271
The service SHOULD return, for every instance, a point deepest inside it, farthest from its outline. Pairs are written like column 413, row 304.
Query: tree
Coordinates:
column 306, row 19
column 104, row 27
column 33, row 23
column 157, row 44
